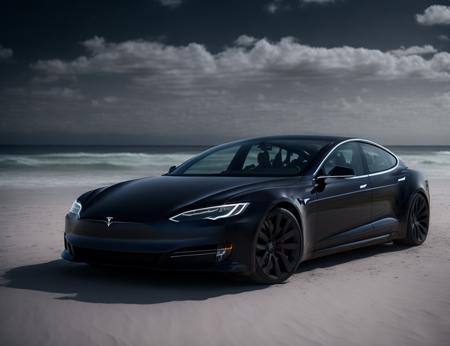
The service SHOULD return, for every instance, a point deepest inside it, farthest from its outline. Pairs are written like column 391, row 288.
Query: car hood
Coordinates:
column 150, row 199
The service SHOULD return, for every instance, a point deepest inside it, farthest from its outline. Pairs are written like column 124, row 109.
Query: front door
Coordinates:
column 342, row 203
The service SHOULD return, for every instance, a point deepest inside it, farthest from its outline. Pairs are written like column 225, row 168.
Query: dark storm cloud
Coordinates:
column 207, row 71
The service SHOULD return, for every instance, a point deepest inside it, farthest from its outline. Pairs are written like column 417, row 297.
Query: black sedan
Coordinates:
column 258, row 207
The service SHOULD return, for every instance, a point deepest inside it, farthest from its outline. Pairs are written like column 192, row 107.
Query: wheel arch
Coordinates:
column 418, row 184
column 290, row 207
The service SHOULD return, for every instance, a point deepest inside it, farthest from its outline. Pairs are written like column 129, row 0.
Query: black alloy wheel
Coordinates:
column 278, row 247
column 418, row 221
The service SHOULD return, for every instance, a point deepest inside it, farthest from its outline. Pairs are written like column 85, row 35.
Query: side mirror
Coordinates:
column 171, row 169
column 336, row 172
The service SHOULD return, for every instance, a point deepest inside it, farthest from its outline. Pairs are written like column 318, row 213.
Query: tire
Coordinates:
column 417, row 222
column 277, row 247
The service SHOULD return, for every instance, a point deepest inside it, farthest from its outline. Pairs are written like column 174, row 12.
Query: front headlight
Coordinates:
column 75, row 208
column 211, row 213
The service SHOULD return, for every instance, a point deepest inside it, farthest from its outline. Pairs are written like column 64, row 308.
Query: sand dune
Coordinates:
column 383, row 295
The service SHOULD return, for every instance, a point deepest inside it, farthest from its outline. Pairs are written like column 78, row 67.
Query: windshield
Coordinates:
column 285, row 157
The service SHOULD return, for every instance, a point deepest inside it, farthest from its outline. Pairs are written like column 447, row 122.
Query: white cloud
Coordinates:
column 276, row 6
column 171, row 3
column 5, row 53
column 133, row 56
column 95, row 44
column 414, row 50
column 443, row 38
column 260, row 59
column 435, row 15
column 245, row 40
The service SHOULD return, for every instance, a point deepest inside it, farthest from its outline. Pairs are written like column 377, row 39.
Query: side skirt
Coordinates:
column 353, row 245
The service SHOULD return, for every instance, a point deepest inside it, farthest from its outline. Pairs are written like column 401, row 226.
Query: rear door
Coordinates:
column 342, row 204
column 387, row 179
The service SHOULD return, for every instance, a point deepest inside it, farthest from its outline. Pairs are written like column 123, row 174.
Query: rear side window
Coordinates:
column 377, row 159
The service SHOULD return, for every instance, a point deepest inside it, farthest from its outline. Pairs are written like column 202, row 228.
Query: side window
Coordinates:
column 345, row 160
column 377, row 159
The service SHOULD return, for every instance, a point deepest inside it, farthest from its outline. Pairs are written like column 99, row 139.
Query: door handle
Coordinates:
column 401, row 179
column 363, row 186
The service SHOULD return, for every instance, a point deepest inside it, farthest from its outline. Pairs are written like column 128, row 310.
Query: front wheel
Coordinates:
column 417, row 222
column 277, row 247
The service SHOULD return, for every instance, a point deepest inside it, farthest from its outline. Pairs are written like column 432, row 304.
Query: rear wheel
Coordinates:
column 417, row 222
column 277, row 247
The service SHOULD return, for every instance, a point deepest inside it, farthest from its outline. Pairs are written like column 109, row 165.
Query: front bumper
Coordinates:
column 163, row 246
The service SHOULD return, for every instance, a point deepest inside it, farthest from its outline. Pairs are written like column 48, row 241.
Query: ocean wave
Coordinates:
column 435, row 162
column 437, row 158
column 124, row 159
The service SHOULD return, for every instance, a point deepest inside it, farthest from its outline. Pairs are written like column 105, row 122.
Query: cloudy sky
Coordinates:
column 205, row 71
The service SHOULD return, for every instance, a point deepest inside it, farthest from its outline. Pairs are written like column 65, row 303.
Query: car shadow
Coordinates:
column 81, row 282
column 137, row 286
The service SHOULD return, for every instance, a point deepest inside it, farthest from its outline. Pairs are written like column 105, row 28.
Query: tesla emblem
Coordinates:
column 109, row 220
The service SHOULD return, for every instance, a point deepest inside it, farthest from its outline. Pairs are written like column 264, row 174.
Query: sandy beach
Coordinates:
column 341, row 107
column 383, row 295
